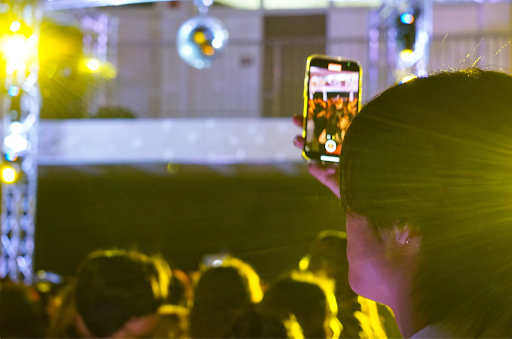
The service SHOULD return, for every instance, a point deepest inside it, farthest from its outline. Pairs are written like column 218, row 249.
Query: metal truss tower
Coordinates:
column 20, row 22
column 21, row 101
column 406, row 28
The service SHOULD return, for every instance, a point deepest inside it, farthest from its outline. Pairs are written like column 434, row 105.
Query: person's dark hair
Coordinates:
column 328, row 255
column 306, row 297
column 436, row 153
column 336, row 240
column 220, row 294
column 115, row 285
column 254, row 323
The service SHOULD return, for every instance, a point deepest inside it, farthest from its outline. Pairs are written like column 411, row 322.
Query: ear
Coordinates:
column 407, row 235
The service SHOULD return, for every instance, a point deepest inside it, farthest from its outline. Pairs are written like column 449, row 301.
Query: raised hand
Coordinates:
column 327, row 174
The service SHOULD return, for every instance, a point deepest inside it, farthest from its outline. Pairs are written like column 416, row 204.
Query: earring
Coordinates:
column 408, row 240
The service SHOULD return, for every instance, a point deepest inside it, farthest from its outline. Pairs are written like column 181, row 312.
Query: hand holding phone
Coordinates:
column 326, row 173
column 332, row 97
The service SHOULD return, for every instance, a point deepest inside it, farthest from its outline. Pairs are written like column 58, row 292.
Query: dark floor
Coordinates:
column 267, row 215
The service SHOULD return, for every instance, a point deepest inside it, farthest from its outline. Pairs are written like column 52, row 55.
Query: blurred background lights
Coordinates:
column 16, row 142
column 406, row 55
column 200, row 39
column 93, row 65
column 15, row 26
column 11, row 156
column 13, row 91
column 16, row 127
column 187, row 50
column 407, row 18
column 8, row 174
column 32, row 41
column 216, row 43
column 14, row 48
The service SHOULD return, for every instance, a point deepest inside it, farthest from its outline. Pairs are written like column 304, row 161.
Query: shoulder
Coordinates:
column 432, row 331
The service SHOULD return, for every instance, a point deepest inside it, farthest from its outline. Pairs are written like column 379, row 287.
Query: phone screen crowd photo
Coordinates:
column 332, row 104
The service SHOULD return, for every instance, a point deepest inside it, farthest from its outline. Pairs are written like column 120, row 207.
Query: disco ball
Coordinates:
column 200, row 39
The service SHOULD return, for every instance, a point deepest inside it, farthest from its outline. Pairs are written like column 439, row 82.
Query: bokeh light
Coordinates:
column 8, row 174
column 200, row 39
column 406, row 55
column 15, row 26
column 93, row 65
column 407, row 18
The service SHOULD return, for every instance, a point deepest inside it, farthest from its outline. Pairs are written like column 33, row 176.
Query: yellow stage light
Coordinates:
column 406, row 55
column 15, row 51
column 8, row 174
column 93, row 65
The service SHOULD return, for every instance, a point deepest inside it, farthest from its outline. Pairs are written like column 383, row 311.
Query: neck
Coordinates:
column 408, row 319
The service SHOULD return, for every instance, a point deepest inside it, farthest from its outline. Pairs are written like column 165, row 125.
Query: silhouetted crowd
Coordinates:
column 127, row 294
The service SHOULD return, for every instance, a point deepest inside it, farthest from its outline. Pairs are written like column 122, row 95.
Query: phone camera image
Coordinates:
column 332, row 101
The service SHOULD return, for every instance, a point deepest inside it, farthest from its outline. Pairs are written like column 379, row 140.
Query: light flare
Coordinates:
column 8, row 175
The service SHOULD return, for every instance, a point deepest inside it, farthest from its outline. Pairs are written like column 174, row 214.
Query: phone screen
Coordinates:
column 332, row 99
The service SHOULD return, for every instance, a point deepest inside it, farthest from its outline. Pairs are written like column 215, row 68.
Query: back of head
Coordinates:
column 328, row 255
column 435, row 153
column 114, row 286
column 303, row 295
column 221, row 293
column 253, row 323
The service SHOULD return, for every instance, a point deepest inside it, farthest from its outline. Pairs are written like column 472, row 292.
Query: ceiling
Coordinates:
column 245, row 4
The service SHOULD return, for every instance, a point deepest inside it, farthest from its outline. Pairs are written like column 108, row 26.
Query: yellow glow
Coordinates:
column 32, row 41
column 110, row 73
column 293, row 327
column 199, row 38
column 15, row 51
column 250, row 276
column 15, row 26
column 369, row 318
column 93, row 65
column 304, row 263
column 408, row 77
column 8, row 175
column 406, row 55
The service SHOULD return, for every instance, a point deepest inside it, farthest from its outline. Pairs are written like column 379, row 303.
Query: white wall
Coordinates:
column 154, row 82
column 471, row 34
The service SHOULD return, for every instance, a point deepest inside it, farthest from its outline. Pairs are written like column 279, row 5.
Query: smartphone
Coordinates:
column 332, row 97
